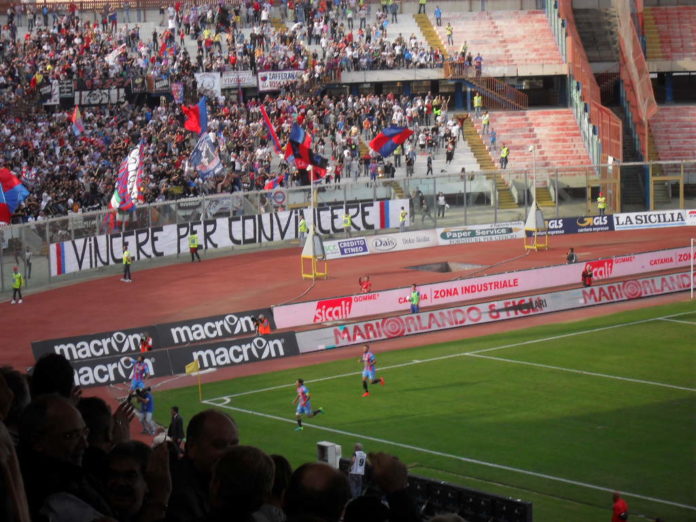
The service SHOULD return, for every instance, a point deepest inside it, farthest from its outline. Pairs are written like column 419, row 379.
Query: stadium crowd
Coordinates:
column 68, row 457
column 70, row 172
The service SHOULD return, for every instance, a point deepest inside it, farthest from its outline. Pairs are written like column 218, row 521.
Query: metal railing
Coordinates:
column 471, row 198
column 497, row 94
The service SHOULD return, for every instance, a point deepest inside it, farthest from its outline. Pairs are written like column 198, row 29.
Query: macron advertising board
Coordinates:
column 127, row 342
column 104, row 250
column 117, row 368
column 395, row 300
column 469, row 315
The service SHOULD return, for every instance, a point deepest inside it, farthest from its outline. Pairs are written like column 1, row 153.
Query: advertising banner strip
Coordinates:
column 117, row 369
column 127, row 342
column 577, row 225
column 449, row 292
column 656, row 219
column 147, row 243
column 468, row 315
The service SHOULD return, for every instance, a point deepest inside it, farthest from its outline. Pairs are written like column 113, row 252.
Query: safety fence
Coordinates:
column 90, row 244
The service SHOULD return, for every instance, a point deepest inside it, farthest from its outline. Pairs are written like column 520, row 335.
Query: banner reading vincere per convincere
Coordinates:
column 104, row 250
column 480, row 313
column 395, row 300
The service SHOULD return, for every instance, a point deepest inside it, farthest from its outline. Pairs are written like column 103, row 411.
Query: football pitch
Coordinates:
column 559, row 415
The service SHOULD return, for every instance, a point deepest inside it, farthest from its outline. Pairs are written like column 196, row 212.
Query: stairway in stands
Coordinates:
column 429, row 33
column 632, row 177
column 505, row 197
column 652, row 36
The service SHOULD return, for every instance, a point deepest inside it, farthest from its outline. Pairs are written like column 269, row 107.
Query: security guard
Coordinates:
column 17, row 284
column 127, row 260
column 601, row 204
column 402, row 219
column 193, row 246
column 347, row 223
column 504, row 153
column 414, row 299
column 450, row 31
column 303, row 229
column 478, row 104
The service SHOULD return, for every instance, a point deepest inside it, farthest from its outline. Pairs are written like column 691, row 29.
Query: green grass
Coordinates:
column 627, row 423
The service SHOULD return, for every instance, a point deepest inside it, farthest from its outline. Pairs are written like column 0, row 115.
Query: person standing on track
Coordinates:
column 193, row 246
column 304, row 404
column 369, row 373
column 414, row 298
column 127, row 261
column 17, row 284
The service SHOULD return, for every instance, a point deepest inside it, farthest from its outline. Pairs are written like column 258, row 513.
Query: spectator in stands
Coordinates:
column 138, row 483
column 18, row 387
column 272, row 508
column 209, row 435
column 450, row 32
column 319, row 490
column 390, row 475
column 53, row 373
column 52, row 442
column 478, row 65
column 438, row 16
column 478, row 104
column 421, row 6
column 242, row 480
column 504, row 156
column 601, row 204
column 366, row 509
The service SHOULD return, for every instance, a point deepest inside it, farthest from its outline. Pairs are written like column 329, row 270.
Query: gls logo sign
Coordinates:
column 597, row 221
column 383, row 244
column 258, row 349
column 555, row 224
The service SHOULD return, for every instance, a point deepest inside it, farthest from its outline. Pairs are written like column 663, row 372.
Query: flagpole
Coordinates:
column 200, row 388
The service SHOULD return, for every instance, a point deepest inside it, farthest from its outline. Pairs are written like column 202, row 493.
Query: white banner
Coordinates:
column 361, row 246
column 275, row 80
column 389, row 301
column 208, row 82
column 480, row 233
column 513, row 308
column 104, row 250
column 658, row 219
column 236, row 79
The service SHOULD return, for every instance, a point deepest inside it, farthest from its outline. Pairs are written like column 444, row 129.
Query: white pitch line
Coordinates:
column 459, row 354
column 691, row 323
column 583, row 372
column 360, row 436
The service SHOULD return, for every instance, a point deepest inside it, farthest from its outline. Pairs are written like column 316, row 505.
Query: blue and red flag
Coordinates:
column 271, row 130
column 196, row 117
column 389, row 139
column 78, row 125
column 299, row 147
column 12, row 193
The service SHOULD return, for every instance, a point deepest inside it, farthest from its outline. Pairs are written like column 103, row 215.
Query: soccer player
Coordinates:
column 141, row 370
column 304, row 404
column 368, row 360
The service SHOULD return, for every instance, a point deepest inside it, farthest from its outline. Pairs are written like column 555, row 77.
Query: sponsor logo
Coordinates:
column 635, row 289
column 597, row 221
column 229, row 325
column 555, row 224
column 113, row 370
column 90, row 348
column 602, row 269
column 352, row 246
column 383, row 244
column 650, row 219
column 454, row 235
column 257, row 349
column 333, row 309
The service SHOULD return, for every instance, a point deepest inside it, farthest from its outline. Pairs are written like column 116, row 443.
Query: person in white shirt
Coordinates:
column 357, row 470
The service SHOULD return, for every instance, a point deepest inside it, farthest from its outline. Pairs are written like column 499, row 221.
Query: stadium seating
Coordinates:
column 674, row 131
column 673, row 36
column 504, row 37
column 554, row 133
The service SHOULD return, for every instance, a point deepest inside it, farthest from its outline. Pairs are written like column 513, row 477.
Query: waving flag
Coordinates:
column 271, row 130
column 196, row 117
column 12, row 193
column 78, row 125
column 299, row 147
column 205, row 157
column 389, row 139
column 129, row 183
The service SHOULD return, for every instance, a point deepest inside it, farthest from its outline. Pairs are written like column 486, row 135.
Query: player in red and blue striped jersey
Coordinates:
column 304, row 404
column 369, row 373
